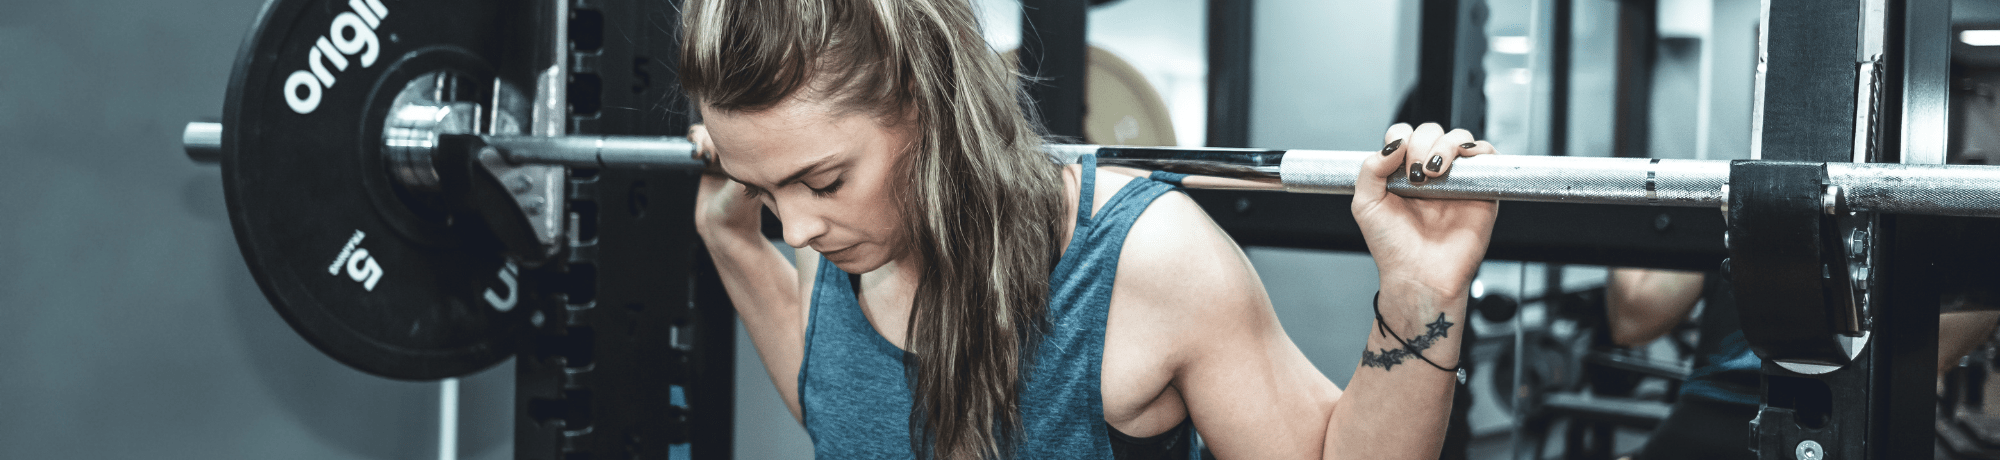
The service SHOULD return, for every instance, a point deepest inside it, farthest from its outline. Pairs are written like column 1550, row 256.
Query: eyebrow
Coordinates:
column 806, row 171
column 823, row 163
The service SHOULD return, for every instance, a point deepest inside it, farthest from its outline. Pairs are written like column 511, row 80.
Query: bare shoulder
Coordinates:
column 1179, row 273
column 1176, row 258
column 1175, row 251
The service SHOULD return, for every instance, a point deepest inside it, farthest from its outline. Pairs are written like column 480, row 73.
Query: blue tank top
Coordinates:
column 856, row 400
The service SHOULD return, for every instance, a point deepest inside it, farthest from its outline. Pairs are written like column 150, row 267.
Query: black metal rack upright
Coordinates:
column 633, row 354
column 1881, row 405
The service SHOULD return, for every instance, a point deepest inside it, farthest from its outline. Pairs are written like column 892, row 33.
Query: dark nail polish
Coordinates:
column 1436, row 163
column 1469, row 145
column 1416, row 173
column 1391, row 147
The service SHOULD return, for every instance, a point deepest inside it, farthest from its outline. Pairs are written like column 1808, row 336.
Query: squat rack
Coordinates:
column 607, row 337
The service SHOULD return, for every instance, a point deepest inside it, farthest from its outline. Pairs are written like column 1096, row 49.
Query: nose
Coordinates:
column 801, row 225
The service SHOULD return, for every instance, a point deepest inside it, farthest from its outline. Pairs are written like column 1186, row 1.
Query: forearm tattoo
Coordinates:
column 1388, row 358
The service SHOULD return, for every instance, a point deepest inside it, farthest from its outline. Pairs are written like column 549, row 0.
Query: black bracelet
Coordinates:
column 1382, row 324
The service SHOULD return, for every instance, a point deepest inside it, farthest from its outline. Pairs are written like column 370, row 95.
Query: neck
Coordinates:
column 899, row 277
column 887, row 296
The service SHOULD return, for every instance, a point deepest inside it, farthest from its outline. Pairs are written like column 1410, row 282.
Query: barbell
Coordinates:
column 1940, row 190
column 388, row 197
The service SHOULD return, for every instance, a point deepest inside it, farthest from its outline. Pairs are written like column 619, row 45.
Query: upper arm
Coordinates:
column 1643, row 304
column 1250, row 390
column 806, row 261
column 774, row 303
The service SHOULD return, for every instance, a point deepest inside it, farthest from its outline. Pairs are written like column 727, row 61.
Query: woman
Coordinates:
column 957, row 295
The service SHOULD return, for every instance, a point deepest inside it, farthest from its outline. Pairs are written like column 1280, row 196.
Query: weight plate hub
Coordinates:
column 379, row 275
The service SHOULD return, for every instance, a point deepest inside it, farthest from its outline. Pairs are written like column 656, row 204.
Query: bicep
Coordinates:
column 1253, row 392
column 1250, row 389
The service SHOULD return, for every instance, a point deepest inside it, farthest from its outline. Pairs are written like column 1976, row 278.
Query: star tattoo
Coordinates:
column 1388, row 358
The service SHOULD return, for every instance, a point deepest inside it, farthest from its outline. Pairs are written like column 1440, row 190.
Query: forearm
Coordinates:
column 766, row 293
column 1397, row 406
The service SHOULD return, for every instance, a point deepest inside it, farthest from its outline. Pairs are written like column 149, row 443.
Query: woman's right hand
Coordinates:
column 722, row 209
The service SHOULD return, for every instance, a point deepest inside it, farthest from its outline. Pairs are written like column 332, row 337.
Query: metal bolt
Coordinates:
column 521, row 184
column 533, row 206
column 1809, row 450
column 1857, row 243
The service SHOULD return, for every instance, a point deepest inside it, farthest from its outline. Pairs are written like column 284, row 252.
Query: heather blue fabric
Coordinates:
column 1731, row 375
column 852, row 385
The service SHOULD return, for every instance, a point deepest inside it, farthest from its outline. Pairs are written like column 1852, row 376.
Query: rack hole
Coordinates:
column 582, row 283
column 586, row 30
column 1810, row 399
column 636, row 201
column 586, row 94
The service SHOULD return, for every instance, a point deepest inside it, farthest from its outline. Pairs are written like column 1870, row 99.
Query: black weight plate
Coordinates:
column 360, row 269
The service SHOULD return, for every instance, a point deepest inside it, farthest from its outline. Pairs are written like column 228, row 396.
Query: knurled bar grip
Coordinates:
column 1944, row 190
column 1594, row 180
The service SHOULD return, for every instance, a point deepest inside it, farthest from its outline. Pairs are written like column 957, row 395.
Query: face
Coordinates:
column 829, row 176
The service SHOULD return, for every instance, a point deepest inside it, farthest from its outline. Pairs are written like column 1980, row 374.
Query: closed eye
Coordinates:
column 753, row 191
column 828, row 189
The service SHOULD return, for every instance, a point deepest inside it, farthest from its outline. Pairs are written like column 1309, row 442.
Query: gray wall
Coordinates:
column 131, row 327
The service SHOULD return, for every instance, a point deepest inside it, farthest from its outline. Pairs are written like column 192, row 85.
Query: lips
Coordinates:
column 835, row 253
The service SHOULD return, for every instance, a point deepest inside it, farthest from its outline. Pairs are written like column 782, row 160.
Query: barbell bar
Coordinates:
column 1943, row 190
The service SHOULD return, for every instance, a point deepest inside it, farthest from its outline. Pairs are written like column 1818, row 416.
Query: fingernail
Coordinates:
column 1437, row 161
column 1469, row 145
column 1391, row 147
column 1416, row 174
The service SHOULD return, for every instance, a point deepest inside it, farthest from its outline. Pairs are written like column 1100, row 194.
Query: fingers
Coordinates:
column 704, row 149
column 1372, row 183
column 1422, row 144
column 1396, row 132
column 1447, row 149
column 1477, row 148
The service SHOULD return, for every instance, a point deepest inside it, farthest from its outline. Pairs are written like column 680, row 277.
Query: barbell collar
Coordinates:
column 203, row 141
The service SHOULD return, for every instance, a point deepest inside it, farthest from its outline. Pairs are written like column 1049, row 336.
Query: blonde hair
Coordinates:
column 983, row 205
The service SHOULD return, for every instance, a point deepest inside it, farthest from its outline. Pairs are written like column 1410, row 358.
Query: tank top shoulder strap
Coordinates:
column 1112, row 220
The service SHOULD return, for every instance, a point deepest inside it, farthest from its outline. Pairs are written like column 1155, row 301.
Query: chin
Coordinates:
column 855, row 263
